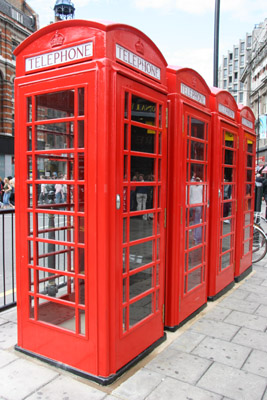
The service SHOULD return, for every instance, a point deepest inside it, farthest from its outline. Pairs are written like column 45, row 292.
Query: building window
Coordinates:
column 235, row 97
column 224, row 73
column 242, row 60
column 230, row 80
column 225, row 62
column 236, row 52
column 230, row 56
column 241, row 85
column 241, row 97
column 230, row 69
column 249, row 41
column 236, row 64
column 14, row 45
column 17, row 16
column 236, row 76
column 241, row 71
column 242, row 47
column 235, row 87
column 224, row 84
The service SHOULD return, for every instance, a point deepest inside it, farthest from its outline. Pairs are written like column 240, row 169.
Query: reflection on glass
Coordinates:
column 197, row 128
column 57, row 314
column 225, row 260
column 80, row 134
column 29, row 108
column 229, row 139
column 226, row 243
column 194, row 258
column 55, row 105
column 141, row 254
column 197, row 150
column 140, row 282
column 140, row 310
column 54, row 136
column 194, row 279
column 140, row 229
column 144, row 166
column 196, row 172
column 55, row 166
column 143, row 140
column 228, row 157
column 82, row 322
column 143, row 111
column 81, row 101
column 29, row 135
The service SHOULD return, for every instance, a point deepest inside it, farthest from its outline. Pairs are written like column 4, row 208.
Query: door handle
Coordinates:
column 118, row 201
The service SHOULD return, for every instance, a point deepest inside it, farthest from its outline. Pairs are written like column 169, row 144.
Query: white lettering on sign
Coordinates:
column 247, row 123
column 58, row 57
column 226, row 111
column 193, row 94
column 135, row 61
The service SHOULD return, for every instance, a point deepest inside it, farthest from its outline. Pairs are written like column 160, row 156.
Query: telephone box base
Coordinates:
column 222, row 292
column 244, row 274
column 104, row 381
column 174, row 328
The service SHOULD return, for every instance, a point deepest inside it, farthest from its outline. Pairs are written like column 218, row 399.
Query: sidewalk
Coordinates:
column 220, row 354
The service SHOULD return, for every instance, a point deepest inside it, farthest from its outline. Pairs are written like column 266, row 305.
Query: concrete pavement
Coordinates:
column 220, row 354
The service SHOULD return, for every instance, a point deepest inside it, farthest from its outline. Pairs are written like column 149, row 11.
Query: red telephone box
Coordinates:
column 188, row 194
column 245, row 190
column 90, row 202
column 225, row 136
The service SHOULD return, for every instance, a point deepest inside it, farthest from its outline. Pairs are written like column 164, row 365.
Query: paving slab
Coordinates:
column 66, row 388
column 6, row 357
column 10, row 315
column 265, row 395
column 261, row 310
column 250, row 321
column 221, row 351
column 22, row 377
column 240, row 305
column 2, row 321
column 239, row 294
column 8, row 335
column 254, row 288
column 187, row 341
column 251, row 338
column 233, row 383
column 172, row 389
column 258, row 297
column 178, row 365
column 216, row 329
column 257, row 363
column 139, row 386
column 218, row 313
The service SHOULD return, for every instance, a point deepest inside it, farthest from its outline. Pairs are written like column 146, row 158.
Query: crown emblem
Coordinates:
column 57, row 40
column 139, row 47
column 194, row 81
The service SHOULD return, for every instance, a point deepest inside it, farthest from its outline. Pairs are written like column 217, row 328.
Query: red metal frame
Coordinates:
column 225, row 141
column 79, row 240
column 188, row 213
column 245, row 190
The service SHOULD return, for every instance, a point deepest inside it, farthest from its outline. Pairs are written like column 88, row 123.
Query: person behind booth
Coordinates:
column 264, row 187
column 258, row 192
column 141, row 196
column 133, row 195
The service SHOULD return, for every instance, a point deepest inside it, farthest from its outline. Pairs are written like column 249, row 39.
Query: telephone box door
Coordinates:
column 56, row 313
column 140, row 218
column 193, row 278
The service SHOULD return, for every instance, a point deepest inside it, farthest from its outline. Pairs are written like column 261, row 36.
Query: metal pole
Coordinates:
column 216, row 43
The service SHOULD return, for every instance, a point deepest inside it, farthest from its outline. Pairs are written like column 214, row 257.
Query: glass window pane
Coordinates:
column 54, row 136
column 82, row 322
column 227, row 191
column 196, row 194
column 29, row 109
column 55, row 256
column 143, row 140
column 227, row 209
column 81, row 101
column 194, row 279
column 140, row 310
column 29, row 134
column 141, row 254
column 194, row 258
column 57, row 196
column 197, row 150
column 229, row 139
column 80, row 167
column 126, row 140
column 80, row 229
column 140, row 229
column 249, row 161
column 197, row 172
column 197, row 128
column 81, row 284
column 195, row 236
column 55, row 105
column 57, row 314
column 195, row 215
column 55, row 285
column 143, row 110
column 80, row 134
column 143, row 166
column 225, row 260
column 81, row 265
column 226, row 243
column 246, row 248
column 55, row 227
column 140, row 282
column 228, row 157
column 55, row 166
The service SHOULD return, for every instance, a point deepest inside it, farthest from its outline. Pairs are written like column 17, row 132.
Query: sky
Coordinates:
column 183, row 30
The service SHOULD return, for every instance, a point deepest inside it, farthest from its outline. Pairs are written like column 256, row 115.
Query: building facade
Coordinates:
column 17, row 21
column 243, row 73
